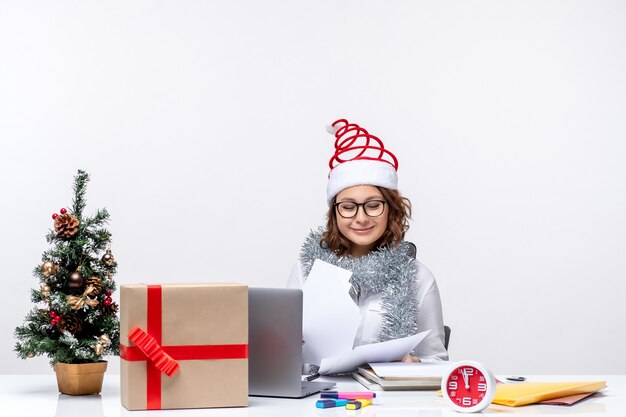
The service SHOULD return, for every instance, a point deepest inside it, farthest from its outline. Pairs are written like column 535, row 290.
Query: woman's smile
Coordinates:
column 364, row 230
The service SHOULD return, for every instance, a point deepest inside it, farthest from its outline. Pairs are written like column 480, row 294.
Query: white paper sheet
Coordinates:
column 411, row 369
column 330, row 318
column 391, row 350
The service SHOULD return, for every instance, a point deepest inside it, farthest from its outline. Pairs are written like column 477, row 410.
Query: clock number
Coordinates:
column 467, row 401
column 469, row 371
column 482, row 386
column 453, row 385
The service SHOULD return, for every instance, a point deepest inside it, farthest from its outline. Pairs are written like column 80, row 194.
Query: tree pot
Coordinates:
column 80, row 378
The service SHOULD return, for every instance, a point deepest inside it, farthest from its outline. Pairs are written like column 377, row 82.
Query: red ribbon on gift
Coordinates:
column 148, row 347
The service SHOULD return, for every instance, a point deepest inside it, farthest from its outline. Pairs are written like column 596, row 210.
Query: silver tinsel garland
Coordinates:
column 390, row 271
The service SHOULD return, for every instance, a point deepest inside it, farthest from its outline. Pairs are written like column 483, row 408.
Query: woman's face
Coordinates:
column 362, row 230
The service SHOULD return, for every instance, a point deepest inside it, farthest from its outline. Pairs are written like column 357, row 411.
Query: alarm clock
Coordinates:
column 468, row 387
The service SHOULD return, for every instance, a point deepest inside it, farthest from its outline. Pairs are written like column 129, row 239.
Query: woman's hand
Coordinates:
column 411, row 358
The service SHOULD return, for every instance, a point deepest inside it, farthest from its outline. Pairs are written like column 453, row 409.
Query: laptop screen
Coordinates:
column 275, row 341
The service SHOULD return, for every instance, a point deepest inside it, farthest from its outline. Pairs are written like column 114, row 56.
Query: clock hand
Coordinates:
column 465, row 378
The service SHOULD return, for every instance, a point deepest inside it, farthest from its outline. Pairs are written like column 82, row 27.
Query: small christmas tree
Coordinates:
column 74, row 319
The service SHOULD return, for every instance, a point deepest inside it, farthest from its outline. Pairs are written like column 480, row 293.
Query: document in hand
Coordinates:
column 330, row 317
column 391, row 350
column 514, row 395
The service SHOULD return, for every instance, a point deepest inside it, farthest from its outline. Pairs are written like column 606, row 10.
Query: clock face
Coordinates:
column 468, row 386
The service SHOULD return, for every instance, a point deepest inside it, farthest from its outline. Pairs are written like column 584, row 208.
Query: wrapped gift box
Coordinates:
column 197, row 333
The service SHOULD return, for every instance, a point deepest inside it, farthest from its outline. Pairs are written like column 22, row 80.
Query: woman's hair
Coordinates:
column 397, row 224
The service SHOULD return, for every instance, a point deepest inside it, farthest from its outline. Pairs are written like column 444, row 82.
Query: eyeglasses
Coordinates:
column 348, row 209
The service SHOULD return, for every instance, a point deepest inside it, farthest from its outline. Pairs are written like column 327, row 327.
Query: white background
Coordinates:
column 202, row 126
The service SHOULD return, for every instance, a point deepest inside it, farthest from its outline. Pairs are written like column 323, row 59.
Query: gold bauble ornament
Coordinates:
column 105, row 340
column 45, row 290
column 49, row 268
column 30, row 355
column 98, row 348
column 108, row 258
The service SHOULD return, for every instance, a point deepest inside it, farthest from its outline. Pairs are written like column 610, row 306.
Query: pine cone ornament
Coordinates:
column 71, row 323
column 108, row 310
column 66, row 225
column 96, row 283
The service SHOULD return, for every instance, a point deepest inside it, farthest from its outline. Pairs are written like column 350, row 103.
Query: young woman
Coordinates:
column 366, row 223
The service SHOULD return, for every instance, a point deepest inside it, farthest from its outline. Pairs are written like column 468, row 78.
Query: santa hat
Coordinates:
column 359, row 159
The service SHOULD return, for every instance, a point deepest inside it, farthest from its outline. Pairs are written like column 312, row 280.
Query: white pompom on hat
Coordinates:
column 359, row 159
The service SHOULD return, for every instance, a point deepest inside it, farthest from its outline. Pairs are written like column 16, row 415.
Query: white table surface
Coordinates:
column 37, row 395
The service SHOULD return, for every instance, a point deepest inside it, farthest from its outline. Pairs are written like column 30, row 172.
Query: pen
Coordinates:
column 312, row 377
column 347, row 395
column 330, row 402
column 356, row 404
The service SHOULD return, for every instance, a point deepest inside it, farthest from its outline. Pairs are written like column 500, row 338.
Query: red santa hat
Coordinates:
column 359, row 159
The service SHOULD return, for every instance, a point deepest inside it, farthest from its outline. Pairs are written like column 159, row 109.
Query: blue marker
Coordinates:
column 330, row 402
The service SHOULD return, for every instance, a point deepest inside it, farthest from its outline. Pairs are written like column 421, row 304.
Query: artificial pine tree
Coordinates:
column 74, row 319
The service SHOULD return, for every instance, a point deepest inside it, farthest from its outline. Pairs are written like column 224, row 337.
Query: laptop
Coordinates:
column 275, row 344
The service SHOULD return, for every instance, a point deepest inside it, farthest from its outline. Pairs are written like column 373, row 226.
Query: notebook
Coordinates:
column 402, row 376
column 275, row 344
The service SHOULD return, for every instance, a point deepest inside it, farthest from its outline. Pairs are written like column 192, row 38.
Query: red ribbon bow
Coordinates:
column 153, row 351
